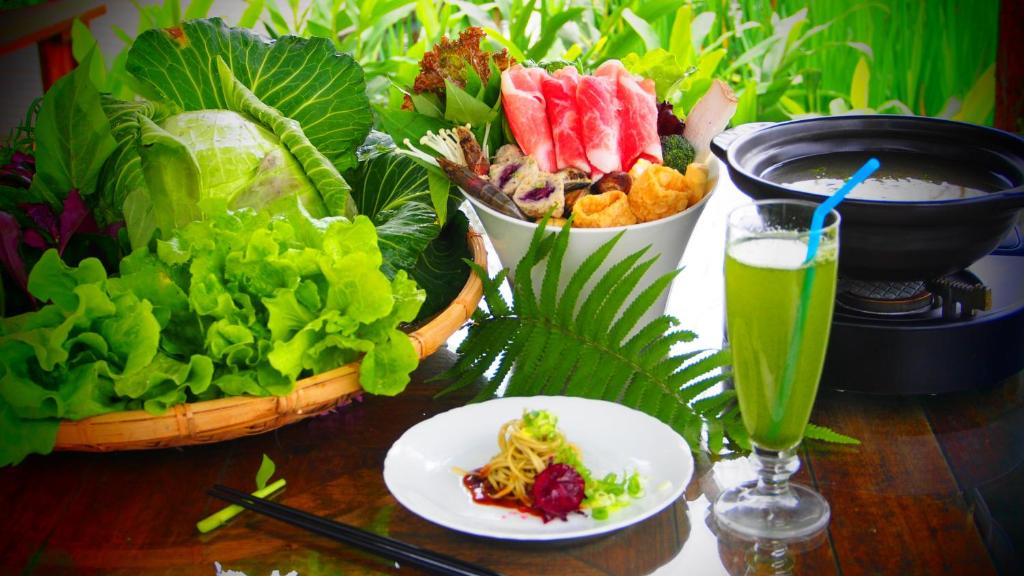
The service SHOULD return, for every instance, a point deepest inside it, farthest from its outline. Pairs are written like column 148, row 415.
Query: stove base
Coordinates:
column 934, row 356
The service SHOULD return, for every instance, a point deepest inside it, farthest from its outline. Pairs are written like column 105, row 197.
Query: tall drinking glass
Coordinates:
column 778, row 314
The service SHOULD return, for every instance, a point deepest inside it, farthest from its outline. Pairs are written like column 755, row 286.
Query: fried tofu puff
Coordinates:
column 697, row 179
column 603, row 211
column 660, row 191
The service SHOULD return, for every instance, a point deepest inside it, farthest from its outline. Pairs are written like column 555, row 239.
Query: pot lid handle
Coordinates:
column 720, row 144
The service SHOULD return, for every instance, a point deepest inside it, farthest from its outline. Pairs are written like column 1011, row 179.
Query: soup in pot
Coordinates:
column 903, row 177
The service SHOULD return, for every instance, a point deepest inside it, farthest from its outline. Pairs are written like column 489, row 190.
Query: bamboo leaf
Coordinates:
column 700, row 28
column 642, row 28
column 859, row 85
column 679, row 40
column 551, row 28
column 980, row 100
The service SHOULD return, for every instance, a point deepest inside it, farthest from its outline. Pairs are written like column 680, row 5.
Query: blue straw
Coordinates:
column 818, row 219
column 796, row 340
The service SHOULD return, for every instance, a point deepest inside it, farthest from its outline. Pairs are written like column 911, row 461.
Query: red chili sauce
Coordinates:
column 477, row 486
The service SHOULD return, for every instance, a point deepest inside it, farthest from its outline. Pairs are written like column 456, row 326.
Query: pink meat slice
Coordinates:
column 525, row 109
column 563, row 116
column 598, row 106
column 638, row 115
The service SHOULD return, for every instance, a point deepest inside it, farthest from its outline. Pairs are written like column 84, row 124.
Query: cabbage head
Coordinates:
column 234, row 120
column 240, row 161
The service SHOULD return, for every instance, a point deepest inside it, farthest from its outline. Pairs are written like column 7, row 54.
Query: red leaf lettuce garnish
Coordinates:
column 451, row 59
column 668, row 122
column 557, row 491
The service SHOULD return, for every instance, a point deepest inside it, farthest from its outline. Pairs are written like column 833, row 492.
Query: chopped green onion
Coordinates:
column 217, row 519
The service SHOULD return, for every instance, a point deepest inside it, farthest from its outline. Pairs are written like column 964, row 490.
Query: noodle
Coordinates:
column 521, row 456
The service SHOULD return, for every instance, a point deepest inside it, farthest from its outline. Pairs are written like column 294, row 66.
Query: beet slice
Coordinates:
column 557, row 491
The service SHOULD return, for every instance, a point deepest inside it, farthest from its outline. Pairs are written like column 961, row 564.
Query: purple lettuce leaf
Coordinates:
column 10, row 256
column 75, row 217
column 44, row 218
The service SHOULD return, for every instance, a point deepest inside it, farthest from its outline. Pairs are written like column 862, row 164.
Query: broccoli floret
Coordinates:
column 677, row 152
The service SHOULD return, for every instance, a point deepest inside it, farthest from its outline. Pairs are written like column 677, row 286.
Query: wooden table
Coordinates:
column 935, row 488
column 904, row 502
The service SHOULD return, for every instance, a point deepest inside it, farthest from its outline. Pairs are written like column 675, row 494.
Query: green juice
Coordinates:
column 764, row 279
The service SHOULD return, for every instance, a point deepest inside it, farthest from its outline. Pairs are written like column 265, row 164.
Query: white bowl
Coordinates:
column 667, row 239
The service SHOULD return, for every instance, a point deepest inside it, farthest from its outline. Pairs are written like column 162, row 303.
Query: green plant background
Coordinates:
column 785, row 58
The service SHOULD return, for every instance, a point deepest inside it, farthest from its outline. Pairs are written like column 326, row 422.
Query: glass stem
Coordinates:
column 774, row 467
column 769, row 558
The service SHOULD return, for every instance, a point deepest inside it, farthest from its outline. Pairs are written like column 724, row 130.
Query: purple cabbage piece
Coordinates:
column 506, row 174
column 539, row 193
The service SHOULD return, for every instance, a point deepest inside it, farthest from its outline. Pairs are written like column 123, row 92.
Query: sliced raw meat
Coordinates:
column 638, row 115
column 525, row 109
column 598, row 107
column 560, row 95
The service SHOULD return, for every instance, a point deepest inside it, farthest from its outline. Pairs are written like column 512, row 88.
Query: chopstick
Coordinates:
column 433, row 562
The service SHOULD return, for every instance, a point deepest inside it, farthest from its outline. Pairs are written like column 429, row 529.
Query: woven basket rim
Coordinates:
column 236, row 416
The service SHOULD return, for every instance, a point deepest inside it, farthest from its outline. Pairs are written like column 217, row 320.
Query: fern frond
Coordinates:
column 529, row 360
column 648, row 334
column 599, row 294
column 553, row 271
column 567, row 303
column 714, row 405
column 614, row 301
column 586, row 342
column 816, row 432
column 559, row 351
column 492, row 293
column 640, row 305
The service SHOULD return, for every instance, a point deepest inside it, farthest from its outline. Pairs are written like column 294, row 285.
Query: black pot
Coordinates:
column 886, row 240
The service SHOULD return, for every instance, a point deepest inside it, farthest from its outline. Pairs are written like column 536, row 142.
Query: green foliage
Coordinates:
column 21, row 138
column 305, row 80
column 394, row 191
column 589, row 344
column 72, row 139
column 265, row 472
column 286, row 116
column 238, row 303
column 815, row 432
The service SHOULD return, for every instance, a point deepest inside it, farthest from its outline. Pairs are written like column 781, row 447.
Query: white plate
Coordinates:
column 419, row 468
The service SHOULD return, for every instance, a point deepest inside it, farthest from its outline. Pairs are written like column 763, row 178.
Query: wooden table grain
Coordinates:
column 934, row 488
column 902, row 502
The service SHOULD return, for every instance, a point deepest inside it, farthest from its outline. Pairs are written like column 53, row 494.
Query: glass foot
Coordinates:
column 771, row 507
column 794, row 514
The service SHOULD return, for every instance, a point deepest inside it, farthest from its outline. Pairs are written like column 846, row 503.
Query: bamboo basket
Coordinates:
column 229, row 418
